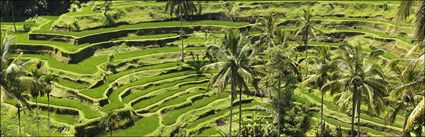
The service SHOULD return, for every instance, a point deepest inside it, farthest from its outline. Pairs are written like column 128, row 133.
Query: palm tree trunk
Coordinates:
column 353, row 112
column 181, row 34
column 321, row 114
column 306, row 47
column 240, row 110
column 358, row 114
column 279, row 128
column 13, row 17
column 231, row 113
column 19, row 120
column 37, row 118
column 48, row 111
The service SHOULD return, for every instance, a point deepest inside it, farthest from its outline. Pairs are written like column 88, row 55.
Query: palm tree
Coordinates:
column 9, row 7
column 34, row 85
column 307, row 28
column 10, row 74
column 235, row 59
column 270, row 34
column 323, row 70
column 181, row 8
column 404, row 11
column 356, row 78
column 47, row 82
column 281, row 69
column 109, row 122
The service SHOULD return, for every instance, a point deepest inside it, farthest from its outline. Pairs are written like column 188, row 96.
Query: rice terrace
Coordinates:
column 212, row 68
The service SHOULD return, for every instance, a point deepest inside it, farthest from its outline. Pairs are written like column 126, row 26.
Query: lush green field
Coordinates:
column 168, row 97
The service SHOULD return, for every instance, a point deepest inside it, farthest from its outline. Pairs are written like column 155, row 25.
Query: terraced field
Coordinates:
column 146, row 76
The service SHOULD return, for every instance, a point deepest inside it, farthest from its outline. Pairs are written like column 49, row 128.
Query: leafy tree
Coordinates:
column 356, row 78
column 183, row 9
column 322, row 73
column 235, row 59
column 282, row 72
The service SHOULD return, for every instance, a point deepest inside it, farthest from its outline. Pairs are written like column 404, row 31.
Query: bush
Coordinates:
column 27, row 27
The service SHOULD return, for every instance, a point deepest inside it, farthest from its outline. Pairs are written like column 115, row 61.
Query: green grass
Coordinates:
column 64, row 118
column 176, row 100
column 114, row 97
column 88, row 66
column 88, row 112
column 72, row 84
column 221, row 113
column 164, row 85
column 209, row 132
column 143, row 126
column 157, row 98
column 98, row 91
column 171, row 116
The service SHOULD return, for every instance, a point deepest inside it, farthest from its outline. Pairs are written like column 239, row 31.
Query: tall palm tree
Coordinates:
column 109, row 122
column 307, row 28
column 322, row 74
column 34, row 85
column 181, row 8
column 10, row 74
column 407, row 89
column 235, row 59
column 47, row 82
column 9, row 7
column 358, row 80
column 404, row 10
column 270, row 33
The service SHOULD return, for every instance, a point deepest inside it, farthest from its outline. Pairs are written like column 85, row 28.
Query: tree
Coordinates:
column 322, row 74
column 408, row 89
column 282, row 71
column 404, row 10
column 47, row 82
column 10, row 74
column 271, row 35
column 183, row 9
column 355, row 78
column 307, row 28
column 236, row 61
column 109, row 122
column 34, row 85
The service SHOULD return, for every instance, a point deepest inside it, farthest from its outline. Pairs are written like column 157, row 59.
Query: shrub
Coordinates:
column 27, row 27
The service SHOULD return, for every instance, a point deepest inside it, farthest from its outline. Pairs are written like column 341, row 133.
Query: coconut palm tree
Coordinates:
column 34, row 85
column 10, row 74
column 109, row 122
column 235, row 59
column 182, row 9
column 404, row 10
column 9, row 8
column 322, row 74
column 270, row 34
column 408, row 90
column 357, row 80
column 307, row 28
column 47, row 82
